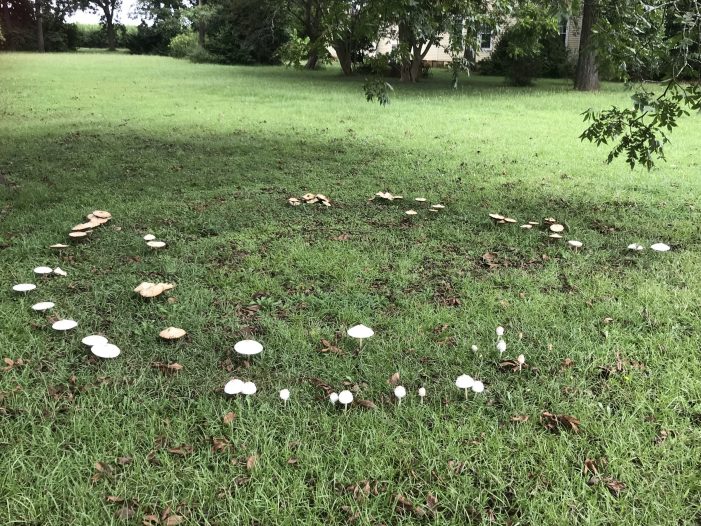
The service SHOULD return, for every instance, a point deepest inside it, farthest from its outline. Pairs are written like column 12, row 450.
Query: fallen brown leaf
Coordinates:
column 328, row 347
column 365, row 404
column 174, row 520
column 123, row 461
column 125, row 513
column 519, row 418
column 182, row 451
column 394, row 379
column 229, row 417
column 168, row 368
column 220, row 444
column 554, row 422
column 406, row 506
column 251, row 462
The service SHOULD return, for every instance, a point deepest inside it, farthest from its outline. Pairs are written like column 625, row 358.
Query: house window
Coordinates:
column 562, row 28
column 486, row 37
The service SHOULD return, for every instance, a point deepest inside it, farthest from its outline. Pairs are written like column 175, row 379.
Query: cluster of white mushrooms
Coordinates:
column 389, row 197
column 152, row 242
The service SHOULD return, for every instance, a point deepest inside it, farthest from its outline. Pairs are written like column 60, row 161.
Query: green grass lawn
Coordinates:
column 205, row 158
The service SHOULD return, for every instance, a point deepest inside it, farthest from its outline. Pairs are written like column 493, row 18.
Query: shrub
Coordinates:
column 154, row 39
column 182, row 45
column 200, row 55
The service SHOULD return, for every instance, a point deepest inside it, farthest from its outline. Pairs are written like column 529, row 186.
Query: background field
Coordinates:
column 205, row 158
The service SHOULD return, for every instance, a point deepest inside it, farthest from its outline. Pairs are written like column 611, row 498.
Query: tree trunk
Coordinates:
column 40, row 27
column 111, row 40
column 312, row 59
column 343, row 54
column 587, row 78
column 7, row 24
column 201, row 28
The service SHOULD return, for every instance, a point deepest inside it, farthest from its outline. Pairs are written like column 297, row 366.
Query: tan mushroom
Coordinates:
column 509, row 220
column 438, row 207
column 294, row 201
column 496, row 217
column 80, row 234
column 555, row 236
column 557, row 228
column 86, row 226
column 59, row 246
column 420, row 199
column 411, row 212
column 102, row 214
column 143, row 285
column 527, row 226
column 172, row 333
column 575, row 244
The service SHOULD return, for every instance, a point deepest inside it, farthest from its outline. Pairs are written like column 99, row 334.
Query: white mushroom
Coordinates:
column 422, row 393
column 520, row 360
column 156, row 244
column 60, row 272
column 360, row 332
column 527, row 227
column 333, row 398
column 574, row 244
column 400, row 393
column 24, row 287
column 411, row 212
column 557, row 228
column 149, row 237
column 346, row 398
column 420, row 199
column 233, row 387
column 172, row 333
column 660, row 247
column 59, row 246
column 464, row 382
column 636, row 247
column 44, row 305
column 249, row 388
column 248, row 347
column 501, row 347
column 477, row 387
column 105, row 350
column 64, row 325
column 43, row 271
column 94, row 339
column 285, row 395
column 438, row 207
column 500, row 331
column 79, row 235
column 474, row 348
column 102, row 214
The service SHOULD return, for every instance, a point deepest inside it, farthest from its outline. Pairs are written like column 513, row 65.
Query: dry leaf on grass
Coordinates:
column 404, row 505
column 328, row 347
column 229, row 417
column 168, row 368
column 554, row 423
column 394, row 379
column 251, row 462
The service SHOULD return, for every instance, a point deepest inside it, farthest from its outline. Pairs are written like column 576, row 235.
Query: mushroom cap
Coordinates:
column 477, row 387
column 87, row 226
column 94, row 339
column 294, row 201
column 422, row 392
column 557, row 228
column 102, row 214
column 156, row 244
column 555, row 236
column 474, row 348
column 64, row 325
column 149, row 237
column 43, row 305
column 285, row 394
column 533, row 223
column 143, row 285
column 574, row 243
column 500, row 331
column 59, row 246
column 233, row 386
column 60, row 272
column 420, row 199
column 24, row 287
column 345, row 397
column 510, row 220
column 527, row 226
column 497, row 217
column 660, row 247
column 249, row 388
column 155, row 290
column 333, row 397
column 549, row 220
column 635, row 246
column 248, row 347
column 360, row 332
column 172, row 333
column 438, row 207
column 464, row 381
column 105, row 350
column 43, row 270
column 399, row 391
column 501, row 346
column 521, row 359
column 79, row 234
column 411, row 212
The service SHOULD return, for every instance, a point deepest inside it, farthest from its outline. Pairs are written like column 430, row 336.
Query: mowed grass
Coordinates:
column 205, row 157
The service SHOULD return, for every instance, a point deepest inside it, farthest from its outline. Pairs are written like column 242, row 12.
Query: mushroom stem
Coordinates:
column 361, row 344
column 465, row 394
column 345, row 406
